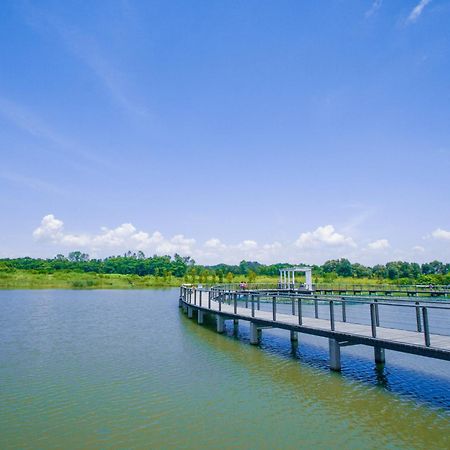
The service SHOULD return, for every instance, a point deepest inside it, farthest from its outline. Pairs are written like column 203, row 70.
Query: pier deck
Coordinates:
column 224, row 305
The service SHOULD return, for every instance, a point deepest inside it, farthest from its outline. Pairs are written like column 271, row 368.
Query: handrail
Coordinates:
column 420, row 289
column 221, row 295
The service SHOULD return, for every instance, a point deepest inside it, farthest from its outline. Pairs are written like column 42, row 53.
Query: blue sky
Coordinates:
column 277, row 131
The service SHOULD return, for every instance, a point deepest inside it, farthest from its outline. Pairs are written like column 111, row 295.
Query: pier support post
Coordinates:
column 190, row 312
column 253, row 334
column 294, row 336
column 379, row 355
column 200, row 317
column 220, row 324
column 335, row 354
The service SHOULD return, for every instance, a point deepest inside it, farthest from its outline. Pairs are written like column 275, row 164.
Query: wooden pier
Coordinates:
column 238, row 305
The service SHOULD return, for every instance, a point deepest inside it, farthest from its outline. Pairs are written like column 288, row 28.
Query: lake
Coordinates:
column 127, row 369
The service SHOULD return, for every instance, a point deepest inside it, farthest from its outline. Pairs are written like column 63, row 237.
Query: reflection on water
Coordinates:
column 109, row 369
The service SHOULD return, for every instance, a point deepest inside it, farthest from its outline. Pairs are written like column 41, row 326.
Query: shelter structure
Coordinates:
column 287, row 277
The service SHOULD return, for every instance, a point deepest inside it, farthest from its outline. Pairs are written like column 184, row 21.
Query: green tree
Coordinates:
column 77, row 256
column 344, row 268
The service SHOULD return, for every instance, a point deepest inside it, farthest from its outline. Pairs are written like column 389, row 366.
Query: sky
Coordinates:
column 294, row 131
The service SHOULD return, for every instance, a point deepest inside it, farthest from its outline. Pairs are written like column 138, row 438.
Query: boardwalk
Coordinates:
column 225, row 305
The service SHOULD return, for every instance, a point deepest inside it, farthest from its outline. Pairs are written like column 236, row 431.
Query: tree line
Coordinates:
column 130, row 263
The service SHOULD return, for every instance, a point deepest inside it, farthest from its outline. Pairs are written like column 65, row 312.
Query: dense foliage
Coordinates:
column 184, row 267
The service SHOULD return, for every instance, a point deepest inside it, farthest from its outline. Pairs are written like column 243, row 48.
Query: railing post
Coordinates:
column 257, row 302
column 316, row 308
column 253, row 305
column 293, row 306
column 426, row 329
column 274, row 308
column 195, row 297
column 246, row 300
column 209, row 299
column 235, row 303
column 332, row 315
column 200, row 299
column 299, row 307
column 344, row 312
column 220, row 301
column 373, row 320
column 377, row 314
column 419, row 325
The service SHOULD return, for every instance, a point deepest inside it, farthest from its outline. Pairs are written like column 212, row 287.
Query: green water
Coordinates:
column 126, row 369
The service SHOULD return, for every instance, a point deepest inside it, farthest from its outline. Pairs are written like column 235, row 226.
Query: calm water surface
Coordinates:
column 126, row 369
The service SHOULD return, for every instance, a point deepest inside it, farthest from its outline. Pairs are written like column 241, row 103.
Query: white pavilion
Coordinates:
column 287, row 277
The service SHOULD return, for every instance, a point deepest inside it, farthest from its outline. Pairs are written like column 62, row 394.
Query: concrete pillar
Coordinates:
column 200, row 317
column 379, row 355
column 190, row 312
column 220, row 324
column 294, row 336
column 253, row 334
column 335, row 354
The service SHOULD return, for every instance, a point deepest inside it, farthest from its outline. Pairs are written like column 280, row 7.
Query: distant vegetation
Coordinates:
column 135, row 270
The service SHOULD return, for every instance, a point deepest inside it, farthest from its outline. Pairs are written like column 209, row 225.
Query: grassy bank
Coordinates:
column 25, row 279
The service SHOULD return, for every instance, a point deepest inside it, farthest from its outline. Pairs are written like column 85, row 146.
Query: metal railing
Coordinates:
column 334, row 309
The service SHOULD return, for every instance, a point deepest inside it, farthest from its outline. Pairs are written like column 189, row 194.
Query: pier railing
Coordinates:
column 356, row 289
column 423, row 316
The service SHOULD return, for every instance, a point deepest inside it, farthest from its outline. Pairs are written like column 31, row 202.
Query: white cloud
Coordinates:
column 274, row 246
column 214, row 243
column 178, row 244
column 441, row 234
column 418, row 249
column 376, row 5
column 380, row 244
column 50, row 229
column 323, row 236
column 417, row 11
column 248, row 245
column 123, row 237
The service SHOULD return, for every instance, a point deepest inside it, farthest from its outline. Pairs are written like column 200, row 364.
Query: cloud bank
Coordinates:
column 315, row 246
